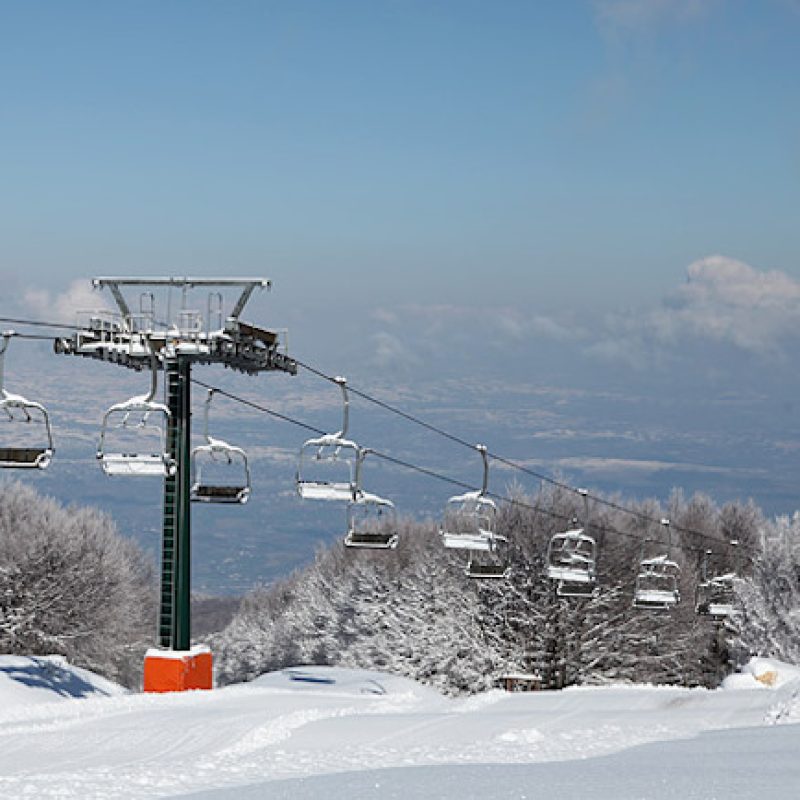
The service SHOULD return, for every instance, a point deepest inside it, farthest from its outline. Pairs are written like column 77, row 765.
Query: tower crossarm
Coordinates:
column 131, row 339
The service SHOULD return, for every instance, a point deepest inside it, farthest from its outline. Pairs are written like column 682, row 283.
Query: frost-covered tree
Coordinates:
column 71, row 585
column 768, row 618
column 413, row 611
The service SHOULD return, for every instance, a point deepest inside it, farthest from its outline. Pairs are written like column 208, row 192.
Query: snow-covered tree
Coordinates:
column 413, row 611
column 768, row 618
column 71, row 585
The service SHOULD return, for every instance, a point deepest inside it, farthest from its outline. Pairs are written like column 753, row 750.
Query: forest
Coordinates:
column 71, row 584
column 414, row 612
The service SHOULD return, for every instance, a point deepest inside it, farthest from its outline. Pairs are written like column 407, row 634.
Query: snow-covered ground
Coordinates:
column 315, row 732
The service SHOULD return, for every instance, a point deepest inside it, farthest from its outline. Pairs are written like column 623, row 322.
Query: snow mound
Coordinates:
column 340, row 680
column 786, row 712
column 32, row 680
column 762, row 673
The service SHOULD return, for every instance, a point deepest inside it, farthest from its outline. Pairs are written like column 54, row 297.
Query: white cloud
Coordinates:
column 384, row 315
column 390, row 351
column 64, row 306
column 729, row 301
column 624, row 465
column 501, row 322
column 560, row 331
column 723, row 301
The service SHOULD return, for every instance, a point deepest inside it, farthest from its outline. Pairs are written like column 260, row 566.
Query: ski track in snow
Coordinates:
column 144, row 746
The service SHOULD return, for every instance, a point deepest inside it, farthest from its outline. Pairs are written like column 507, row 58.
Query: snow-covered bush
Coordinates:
column 71, row 585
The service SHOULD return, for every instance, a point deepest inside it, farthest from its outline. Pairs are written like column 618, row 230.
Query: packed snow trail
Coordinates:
column 318, row 731
column 744, row 763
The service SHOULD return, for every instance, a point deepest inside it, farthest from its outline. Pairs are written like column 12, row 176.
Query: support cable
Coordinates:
column 447, row 479
column 39, row 324
column 640, row 515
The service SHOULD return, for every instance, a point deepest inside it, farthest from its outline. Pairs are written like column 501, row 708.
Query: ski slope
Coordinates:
column 314, row 732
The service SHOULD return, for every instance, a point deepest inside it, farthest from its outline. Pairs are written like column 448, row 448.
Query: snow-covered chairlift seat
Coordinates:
column 572, row 558
column 371, row 523
column 14, row 456
column 207, row 458
column 215, row 491
column 328, row 465
column 656, row 584
column 148, row 465
column 130, row 463
column 715, row 597
column 327, row 469
column 469, row 522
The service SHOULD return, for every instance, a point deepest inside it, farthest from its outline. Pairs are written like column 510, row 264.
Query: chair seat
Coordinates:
column 25, row 457
column 371, row 541
column 220, row 494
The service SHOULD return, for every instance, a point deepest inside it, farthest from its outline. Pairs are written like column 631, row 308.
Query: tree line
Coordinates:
column 70, row 584
column 415, row 613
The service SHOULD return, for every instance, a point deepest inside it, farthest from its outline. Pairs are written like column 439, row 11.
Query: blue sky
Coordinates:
column 544, row 152
column 567, row 228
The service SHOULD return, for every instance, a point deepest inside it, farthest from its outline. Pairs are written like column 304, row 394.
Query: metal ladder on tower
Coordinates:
column 166, row 616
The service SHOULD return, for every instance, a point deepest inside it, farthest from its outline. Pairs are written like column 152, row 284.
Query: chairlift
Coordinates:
column 469, row 518
column 214, row 458
column 489, row 565
column 572, row 558
column 371, row 523
column 18, row 409
column 371, row 520
column 715, row 595
column 656, row 586
column 131, row 420
column 326, row 468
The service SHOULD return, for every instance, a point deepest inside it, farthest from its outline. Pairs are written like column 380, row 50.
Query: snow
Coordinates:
column 177, row 655
column 30, row 681
column 338, row 492
column 311, row 732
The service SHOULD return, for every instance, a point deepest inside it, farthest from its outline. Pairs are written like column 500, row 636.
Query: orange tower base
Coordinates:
column 178, row 670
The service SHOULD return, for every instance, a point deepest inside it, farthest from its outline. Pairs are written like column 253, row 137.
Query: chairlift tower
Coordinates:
column 181, row 338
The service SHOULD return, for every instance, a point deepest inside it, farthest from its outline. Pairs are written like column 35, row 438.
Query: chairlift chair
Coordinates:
column 489, row 565
column 469, row 522
column 371, row 523
column 656, row 586
column 326, row 468
column 133, row 417
column 469, row 518
column 715, row 595
column 213, row 457
column 18, row 409
column 572, row 558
